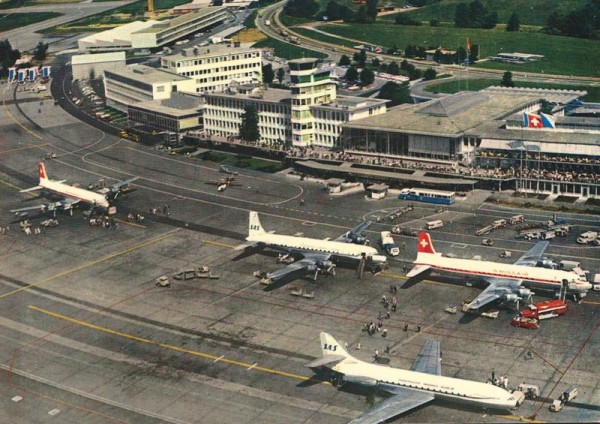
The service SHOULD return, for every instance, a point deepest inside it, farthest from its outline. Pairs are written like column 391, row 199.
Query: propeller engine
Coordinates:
column 526, row 294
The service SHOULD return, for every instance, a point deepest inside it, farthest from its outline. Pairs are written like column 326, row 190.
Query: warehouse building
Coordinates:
column 153, row 34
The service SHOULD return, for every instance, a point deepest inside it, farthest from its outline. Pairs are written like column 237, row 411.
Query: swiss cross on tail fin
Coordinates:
column 424, row 244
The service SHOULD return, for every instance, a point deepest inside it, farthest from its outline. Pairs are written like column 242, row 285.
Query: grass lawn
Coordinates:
column 455, row 86
column 563, row 55
column 288, row 51
column 17, row 20
column 531, row 12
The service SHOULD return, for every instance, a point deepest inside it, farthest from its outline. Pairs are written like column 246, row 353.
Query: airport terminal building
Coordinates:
column 481, row 134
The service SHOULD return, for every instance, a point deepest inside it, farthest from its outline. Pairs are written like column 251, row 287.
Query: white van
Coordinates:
column 432, row 225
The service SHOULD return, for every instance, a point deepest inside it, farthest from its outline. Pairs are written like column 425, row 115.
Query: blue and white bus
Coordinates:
column 429, row 196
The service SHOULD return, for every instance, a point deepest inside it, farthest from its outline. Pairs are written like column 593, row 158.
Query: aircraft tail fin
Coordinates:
column 331, row 347
column 424, row 244
column 42, row 171
column 254, row 225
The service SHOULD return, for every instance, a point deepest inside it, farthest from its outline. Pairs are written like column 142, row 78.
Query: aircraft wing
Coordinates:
column 533, row 255
column 417, row 270
column 27, row 190
column 355, row 232
column 403, row 401
column 301, row 265
column 117, row 186
column 67, row 203
column 428, row 360
column 497, row 289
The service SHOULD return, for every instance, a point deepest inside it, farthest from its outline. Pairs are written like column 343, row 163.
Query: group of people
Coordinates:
column 139, row 218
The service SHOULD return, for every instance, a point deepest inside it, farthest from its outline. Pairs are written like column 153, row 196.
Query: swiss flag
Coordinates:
column 532, row 121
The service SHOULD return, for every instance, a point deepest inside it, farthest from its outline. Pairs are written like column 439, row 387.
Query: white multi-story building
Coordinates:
column 223, row 113
column 215, row 67
column 309, row 115
column 140, row 83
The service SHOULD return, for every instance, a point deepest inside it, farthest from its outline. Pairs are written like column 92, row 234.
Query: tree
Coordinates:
column 461, row 55
column 376, row 63
column 514, row 23
column 280, row 75
column 507, row 80
column 217, row 2
column 39, row 52
column 360, row 58
column 360, row 16
column 396, row 93
column 372, row 9
column 462, row 16
column 434, row 22
column 367, row 77
column 8, row 56
column 393, row 68
column 344, row 61
column 430, row 74
column 335, row 11
column 249, row 126
column 268, row 74
column 474, row 54
column 351, row 74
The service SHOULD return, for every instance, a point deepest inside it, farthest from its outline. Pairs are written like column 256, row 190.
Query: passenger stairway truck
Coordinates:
column 387, row 242
column 543, row 310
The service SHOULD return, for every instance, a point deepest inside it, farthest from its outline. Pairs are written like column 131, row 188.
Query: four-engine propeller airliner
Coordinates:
column 504, row 280
column 315, row 255
column 409, row 389
column 72, row 195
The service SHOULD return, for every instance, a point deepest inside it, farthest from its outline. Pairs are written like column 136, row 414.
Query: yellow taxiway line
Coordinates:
column 174, row 348
column 88, row 264
column 213, row 358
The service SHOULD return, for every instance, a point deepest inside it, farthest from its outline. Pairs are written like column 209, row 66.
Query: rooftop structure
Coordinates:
column 152, row 34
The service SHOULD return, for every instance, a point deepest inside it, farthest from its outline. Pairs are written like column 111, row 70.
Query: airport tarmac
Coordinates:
column 87, row 336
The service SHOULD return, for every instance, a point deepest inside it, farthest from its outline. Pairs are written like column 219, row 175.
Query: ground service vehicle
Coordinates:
column 543, row 310
column 429, row 196
column 432, row 225
column 531, row 323
column 387, row 242
column 517, row 219
column 587, row 237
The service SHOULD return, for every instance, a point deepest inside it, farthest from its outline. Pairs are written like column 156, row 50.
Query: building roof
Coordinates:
column 271, row 95
column 170, row 108
column 415, row 177
column 147, row 74
column 449, row 116
column 122, row 32
column 550, row 95
column 496, row 130
column 351, row 103
column 80, row 59
column 209, row 51
column 179, row 20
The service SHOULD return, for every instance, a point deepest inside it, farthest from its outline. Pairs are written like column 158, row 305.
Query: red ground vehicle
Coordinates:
column 530, row 323
column 543, row 310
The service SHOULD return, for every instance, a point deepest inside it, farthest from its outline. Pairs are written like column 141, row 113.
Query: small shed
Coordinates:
column 334, row 185
column 378, row 191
